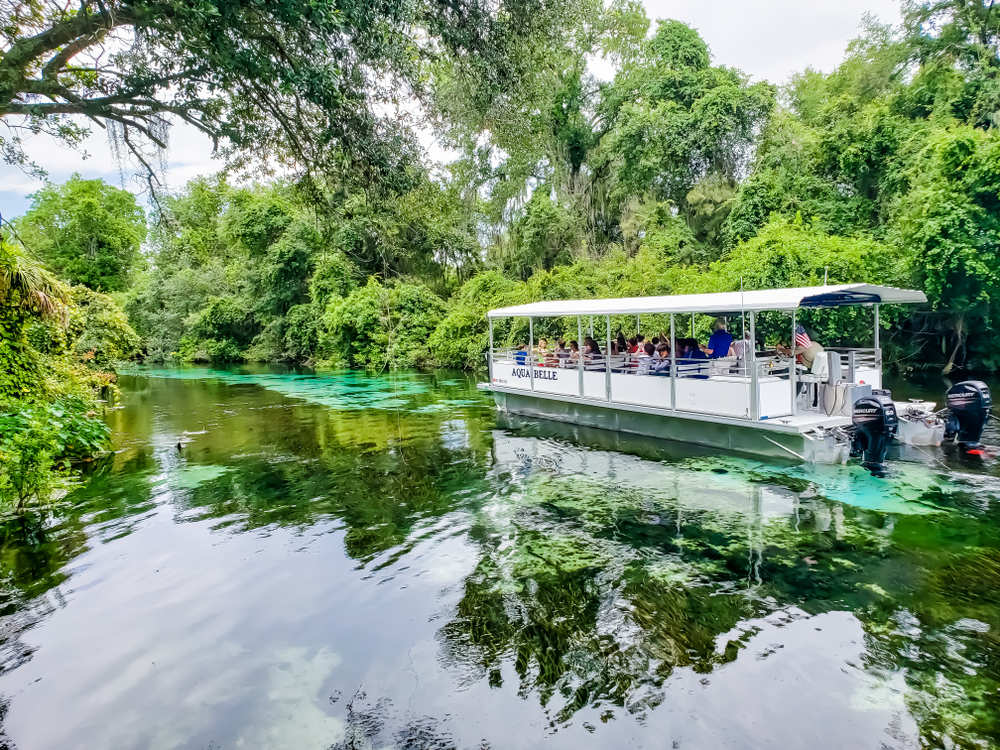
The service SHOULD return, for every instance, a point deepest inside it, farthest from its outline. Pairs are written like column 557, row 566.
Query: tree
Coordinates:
column 672, row 119
column 951, row 219
column 545, row 131
column 547, row 234
column 298, row 81
column 956, row 46
column 87, row 231
column 378, row 326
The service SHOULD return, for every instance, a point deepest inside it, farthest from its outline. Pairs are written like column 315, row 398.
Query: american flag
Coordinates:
column 802, row 338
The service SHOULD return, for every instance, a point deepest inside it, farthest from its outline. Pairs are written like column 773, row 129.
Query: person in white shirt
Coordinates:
column 645, row 359
column 742, row 347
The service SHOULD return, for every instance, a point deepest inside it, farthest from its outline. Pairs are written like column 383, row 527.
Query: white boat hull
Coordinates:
column 760, row 439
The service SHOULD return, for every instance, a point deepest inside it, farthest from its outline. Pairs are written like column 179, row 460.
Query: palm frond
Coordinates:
column 26, row 276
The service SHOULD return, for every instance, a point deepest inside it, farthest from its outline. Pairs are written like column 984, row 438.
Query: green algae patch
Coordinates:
column 192, row 476
column 542, row 555
column 347, row 390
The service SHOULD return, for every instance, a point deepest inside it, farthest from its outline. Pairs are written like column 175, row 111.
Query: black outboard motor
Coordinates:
column 875, row 423
column 969, row 405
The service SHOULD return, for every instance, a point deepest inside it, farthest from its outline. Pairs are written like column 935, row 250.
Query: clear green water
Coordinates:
column 357, row 562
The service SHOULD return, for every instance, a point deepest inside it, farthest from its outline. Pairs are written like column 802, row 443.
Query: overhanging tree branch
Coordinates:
column 297, row 81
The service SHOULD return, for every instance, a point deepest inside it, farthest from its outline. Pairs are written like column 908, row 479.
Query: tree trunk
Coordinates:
column 959, row 344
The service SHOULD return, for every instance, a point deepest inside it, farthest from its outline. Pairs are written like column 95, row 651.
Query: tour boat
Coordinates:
column 760, row 403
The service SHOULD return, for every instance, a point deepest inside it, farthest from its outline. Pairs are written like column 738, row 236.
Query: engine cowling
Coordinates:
column 969, row 405
column 875, row 423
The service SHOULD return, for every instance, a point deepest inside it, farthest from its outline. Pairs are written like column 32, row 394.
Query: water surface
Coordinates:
column 282, row 560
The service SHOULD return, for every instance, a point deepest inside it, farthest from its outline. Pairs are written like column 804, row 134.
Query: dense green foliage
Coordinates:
column 379, row 325
column 56, row 347
column 87, row 231
column 675, row 176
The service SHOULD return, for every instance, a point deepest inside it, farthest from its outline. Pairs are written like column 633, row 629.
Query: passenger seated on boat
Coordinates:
column 645, row 360
column 545, row 356
column 741, row 348
column 633, row 345
column 806, row 351
column 521, row 356
column 562, row 353
column 690, row 360
column 661, row 366
column 573, row 356
column 592, row 356
column 621, row 343
column 720, row 341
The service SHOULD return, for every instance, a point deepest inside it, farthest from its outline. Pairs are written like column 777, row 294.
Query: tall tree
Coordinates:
column 87, row 231
column 955, row 45
column 672, row 118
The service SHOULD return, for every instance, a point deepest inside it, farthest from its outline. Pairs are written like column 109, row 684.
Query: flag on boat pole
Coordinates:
column 802, row 338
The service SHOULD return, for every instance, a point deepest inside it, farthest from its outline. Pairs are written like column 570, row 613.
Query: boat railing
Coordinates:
column 753, row 389
column 862, row 357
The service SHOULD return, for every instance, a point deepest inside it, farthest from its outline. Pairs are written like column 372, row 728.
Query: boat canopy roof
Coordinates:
column 724, row 303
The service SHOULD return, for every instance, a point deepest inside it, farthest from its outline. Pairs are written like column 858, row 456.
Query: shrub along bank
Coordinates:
column 58, row 345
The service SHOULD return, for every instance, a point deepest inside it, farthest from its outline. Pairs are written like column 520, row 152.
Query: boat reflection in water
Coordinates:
column 621, row 576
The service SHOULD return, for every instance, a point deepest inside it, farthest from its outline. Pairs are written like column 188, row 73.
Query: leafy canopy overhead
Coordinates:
column 297, row 81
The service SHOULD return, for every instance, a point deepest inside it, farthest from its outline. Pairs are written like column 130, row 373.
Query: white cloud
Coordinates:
column 768, row 39
column 771, row 39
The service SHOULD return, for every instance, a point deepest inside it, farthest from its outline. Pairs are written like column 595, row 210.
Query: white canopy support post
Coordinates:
column 579, row 351
column 637, row 329
column 878, row 347
column 792, row 374
column 692, row 325
column 489, row 356
column 607, row 360
column 531, row 353
column 754, row 384
column 673, row 365
column 591, row 326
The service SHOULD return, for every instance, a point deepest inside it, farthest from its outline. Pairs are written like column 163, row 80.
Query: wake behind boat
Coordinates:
column 812, row 403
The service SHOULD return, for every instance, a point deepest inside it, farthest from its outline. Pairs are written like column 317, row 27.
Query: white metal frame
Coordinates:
column 751, row 302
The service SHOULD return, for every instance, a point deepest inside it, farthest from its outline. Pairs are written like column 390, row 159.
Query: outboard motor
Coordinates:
column 875, row 423
column 969, row 405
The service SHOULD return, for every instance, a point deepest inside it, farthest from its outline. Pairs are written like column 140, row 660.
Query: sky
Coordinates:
column 768, row 39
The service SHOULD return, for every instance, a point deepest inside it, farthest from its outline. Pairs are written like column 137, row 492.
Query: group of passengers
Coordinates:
column 636, row 355
column 653, row 357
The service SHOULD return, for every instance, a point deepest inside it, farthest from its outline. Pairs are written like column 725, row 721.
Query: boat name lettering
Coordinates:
column 523, row 372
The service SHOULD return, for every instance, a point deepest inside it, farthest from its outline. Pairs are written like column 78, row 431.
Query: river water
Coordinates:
column 280, row 560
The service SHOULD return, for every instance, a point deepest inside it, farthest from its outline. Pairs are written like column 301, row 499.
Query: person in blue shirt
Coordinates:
column 521, row 356
column 720, row 342
column 689, row 361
